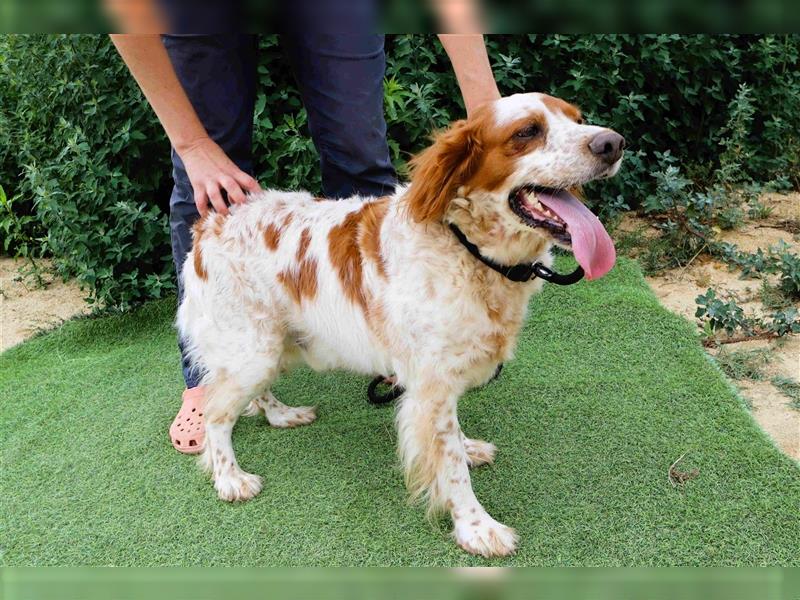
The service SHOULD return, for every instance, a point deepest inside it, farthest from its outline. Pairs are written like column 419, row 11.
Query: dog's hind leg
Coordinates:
column 280, row 415
column 228, row 392
column 433, row 452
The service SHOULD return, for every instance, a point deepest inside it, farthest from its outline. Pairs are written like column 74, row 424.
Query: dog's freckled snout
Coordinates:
column 607, row 146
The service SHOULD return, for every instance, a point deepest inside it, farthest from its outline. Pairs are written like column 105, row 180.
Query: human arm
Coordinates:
column 208, row 167
column 467, row 53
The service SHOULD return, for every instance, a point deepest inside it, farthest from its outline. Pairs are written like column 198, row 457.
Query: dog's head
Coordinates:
column 509, row 175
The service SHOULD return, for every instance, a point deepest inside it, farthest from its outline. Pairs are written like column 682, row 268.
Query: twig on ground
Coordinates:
column 691, row 260
column 676, row 477
column 735, row 339
column 672, row 466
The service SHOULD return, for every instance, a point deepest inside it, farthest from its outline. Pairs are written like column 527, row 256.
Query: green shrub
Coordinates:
column 719, row 315
column 716, row 314
column 90, row 161
column 82, row 152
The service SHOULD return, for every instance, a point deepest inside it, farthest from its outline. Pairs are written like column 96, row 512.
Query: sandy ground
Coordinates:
column 678, row 288
column 26, row 308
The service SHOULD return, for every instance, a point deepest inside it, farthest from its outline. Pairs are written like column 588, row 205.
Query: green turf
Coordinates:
column 607, row 390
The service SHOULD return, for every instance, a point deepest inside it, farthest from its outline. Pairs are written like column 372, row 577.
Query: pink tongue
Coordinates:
column 591, row 244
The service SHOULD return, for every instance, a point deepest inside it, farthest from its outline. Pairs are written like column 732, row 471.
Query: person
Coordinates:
column 203, row 91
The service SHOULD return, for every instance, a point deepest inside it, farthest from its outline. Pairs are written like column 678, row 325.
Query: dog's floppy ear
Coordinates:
column 437, row 171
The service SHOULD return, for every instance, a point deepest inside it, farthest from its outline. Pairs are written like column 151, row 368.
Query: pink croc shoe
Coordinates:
column 187, row 432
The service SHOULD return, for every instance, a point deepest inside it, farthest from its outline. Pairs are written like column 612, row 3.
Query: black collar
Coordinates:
column 520, row 272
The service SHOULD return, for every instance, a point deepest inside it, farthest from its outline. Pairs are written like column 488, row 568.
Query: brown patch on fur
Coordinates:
column 197, row 238
column 345, row 256
column 502, row 149
column 438, row 171
column 198, row 263
column 302, row 248
column 369, row 238
column 557, row 105
column 494, row 313
column 272, row 236
column 302, row 282
column 287, row 220
column 219, row 221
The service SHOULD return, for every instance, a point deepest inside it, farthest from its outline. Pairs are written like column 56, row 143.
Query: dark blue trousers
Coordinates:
column 340, row 78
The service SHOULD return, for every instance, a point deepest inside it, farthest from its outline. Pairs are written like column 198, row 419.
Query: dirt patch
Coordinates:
column 26, row 307
column 678, row 288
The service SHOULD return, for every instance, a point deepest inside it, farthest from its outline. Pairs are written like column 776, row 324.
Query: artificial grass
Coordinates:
column 607, row 390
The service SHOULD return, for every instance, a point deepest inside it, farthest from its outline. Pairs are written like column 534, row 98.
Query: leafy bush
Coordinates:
column 690, row 213
column 789, row 269
column 90, row 162
column 777, row 259
column 717, row 315
column 82, row 152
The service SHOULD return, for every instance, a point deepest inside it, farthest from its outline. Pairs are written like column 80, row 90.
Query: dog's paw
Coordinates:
column 484, row 536
column 236, row 485
column 479, row 452
column 292, row 416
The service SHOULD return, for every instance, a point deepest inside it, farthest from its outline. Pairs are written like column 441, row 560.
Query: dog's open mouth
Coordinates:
column 524, row 201
column 569, row 223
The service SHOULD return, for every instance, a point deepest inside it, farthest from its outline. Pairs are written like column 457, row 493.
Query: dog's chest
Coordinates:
column 477, row 322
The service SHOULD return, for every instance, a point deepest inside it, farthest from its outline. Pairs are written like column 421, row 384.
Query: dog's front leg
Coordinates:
column 436, row 465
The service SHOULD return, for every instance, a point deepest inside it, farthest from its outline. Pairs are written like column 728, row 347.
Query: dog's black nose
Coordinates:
column 608, row 146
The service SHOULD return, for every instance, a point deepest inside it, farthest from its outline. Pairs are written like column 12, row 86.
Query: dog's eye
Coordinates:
column 579, row 121
column 528, row 132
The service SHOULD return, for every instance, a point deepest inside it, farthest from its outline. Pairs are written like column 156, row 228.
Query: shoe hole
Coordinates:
column 192, row 443
column 194, row 409
column 201, row 414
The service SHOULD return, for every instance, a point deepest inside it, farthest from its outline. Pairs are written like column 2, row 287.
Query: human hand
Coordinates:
column 210, row 171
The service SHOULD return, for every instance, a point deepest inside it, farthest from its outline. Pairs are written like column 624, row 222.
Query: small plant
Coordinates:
column 788, row 266
column 788, row 387
column 743, row 364
column 758, row 210
column 14, row 227
column 784, row 322
column 734, row 139
column 718, row 315
column 17, row 238
column 772, row 296
column 753, row 264
column 777, row 259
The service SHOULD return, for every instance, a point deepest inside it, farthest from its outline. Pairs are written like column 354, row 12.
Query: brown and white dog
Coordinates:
column 383, row 286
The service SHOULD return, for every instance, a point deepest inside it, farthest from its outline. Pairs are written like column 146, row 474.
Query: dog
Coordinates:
column 383, row 285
